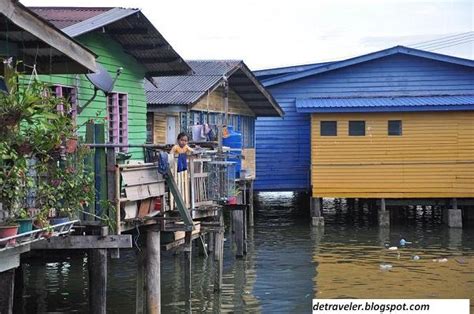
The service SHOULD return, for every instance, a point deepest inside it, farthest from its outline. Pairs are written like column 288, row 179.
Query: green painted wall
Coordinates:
column 111, row 56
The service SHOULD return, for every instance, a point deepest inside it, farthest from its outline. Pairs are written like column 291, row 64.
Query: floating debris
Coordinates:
column 385, row 266
column 460, row 261
column 393, row 248
column 415, row 257
column 404, row 242
column 440, row 260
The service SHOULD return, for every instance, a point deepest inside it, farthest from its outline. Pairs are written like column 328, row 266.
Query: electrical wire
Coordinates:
column 441, row 39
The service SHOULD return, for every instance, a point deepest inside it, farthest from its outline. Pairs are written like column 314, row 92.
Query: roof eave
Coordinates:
column 368, row 57
column 434, row 108
column 273, row 103
column 49, row 34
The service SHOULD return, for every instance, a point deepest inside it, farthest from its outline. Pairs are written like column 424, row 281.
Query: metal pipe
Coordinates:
column 111, row 145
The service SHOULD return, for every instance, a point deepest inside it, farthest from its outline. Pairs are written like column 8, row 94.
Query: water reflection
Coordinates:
column 288, row 264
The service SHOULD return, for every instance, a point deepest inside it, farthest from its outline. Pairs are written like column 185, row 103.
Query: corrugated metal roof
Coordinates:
column 110, row 16
column 364, row 58
column 37, row 41
column 207, row 74
column 129, row 27
column 386, row 104
column 62, row 17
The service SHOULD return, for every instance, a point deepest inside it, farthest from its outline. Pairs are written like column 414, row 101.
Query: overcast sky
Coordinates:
column 271, row 33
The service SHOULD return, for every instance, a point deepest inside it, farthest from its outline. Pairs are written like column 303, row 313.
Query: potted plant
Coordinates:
column 24, row 221
column 232, row 198
column 32, row 129
column 7, row 229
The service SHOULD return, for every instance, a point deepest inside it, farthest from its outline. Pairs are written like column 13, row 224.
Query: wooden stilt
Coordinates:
column 7, row 282
column 219, row 255
column 238, row 224
column 141, row 283
column 250, row 202
column 188, row 271
column 153, row 274
column 384, row 215
column 210, row 244
column 18, row 290
column 316, row 217
column 98, row 281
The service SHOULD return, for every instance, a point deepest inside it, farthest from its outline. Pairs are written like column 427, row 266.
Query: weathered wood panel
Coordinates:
column 216, row 103
column 434, row 156
column 159, row 128
column 248, row 163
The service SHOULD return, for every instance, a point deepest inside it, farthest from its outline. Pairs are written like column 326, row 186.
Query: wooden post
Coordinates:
column 454, row 215
column 384, row 215
column 238, row 227
column 97, row 264
column 316, row 217
column 226, row 101
column 153, row 275
column 100, row 168
column 18, row 290
column 90, row 165
column 219, row 254
column 188, row 270
column 251, row 221
column 112, row 195
column 141, row 282
column 210, row 244
column 7, row 282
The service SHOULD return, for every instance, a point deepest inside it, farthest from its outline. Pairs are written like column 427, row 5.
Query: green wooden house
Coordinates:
column 130, row 49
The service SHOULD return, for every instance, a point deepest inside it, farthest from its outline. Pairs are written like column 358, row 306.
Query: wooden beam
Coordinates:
column 123, row 241
column 178, row 198
column 26, row 20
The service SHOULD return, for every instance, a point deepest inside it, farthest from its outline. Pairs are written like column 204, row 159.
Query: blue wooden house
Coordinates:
column 395, row 81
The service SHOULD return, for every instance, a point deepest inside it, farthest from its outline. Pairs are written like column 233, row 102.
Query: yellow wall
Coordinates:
column 216, row 103
column 433, row 158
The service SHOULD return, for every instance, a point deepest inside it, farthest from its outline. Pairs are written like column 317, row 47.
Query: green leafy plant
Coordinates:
column 33, row 136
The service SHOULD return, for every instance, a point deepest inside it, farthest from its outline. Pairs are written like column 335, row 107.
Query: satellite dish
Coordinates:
column 101, row 79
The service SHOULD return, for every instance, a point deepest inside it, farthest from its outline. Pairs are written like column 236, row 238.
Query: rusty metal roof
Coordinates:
column 62, row 17
column 38, row 42
column 129, row 27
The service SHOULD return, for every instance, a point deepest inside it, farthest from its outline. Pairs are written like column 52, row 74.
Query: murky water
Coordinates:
column 288, row 264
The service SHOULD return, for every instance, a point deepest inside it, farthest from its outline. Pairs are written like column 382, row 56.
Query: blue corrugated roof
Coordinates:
column 386, row 104
column 364, row 58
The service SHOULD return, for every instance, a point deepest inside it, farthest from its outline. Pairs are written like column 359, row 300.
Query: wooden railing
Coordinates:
column 192, row 183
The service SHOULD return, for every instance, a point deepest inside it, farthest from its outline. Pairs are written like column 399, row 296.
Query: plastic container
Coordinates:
column 25, row 225
column 233, row 139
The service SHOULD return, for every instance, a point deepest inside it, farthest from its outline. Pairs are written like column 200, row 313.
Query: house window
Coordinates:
column 394, row 127
column 328, row 128
column 149, row 127
column 117, row 114
column 70, row 95
column 356, row 128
